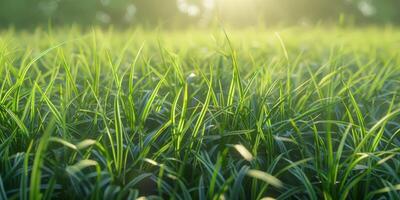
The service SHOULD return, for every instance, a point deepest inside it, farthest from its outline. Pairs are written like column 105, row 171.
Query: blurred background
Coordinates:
column 196, row 13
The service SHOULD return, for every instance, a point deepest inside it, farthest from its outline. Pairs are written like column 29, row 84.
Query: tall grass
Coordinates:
column 105, row 114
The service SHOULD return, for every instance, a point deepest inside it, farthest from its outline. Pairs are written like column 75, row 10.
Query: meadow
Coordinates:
column 295, row 113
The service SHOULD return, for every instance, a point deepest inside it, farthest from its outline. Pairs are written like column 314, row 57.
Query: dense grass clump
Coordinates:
column 109, row 114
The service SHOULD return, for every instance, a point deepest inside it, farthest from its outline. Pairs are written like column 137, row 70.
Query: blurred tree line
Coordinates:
column 181, row 13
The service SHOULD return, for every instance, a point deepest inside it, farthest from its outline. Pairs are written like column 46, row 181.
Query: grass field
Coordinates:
column 250, row 114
